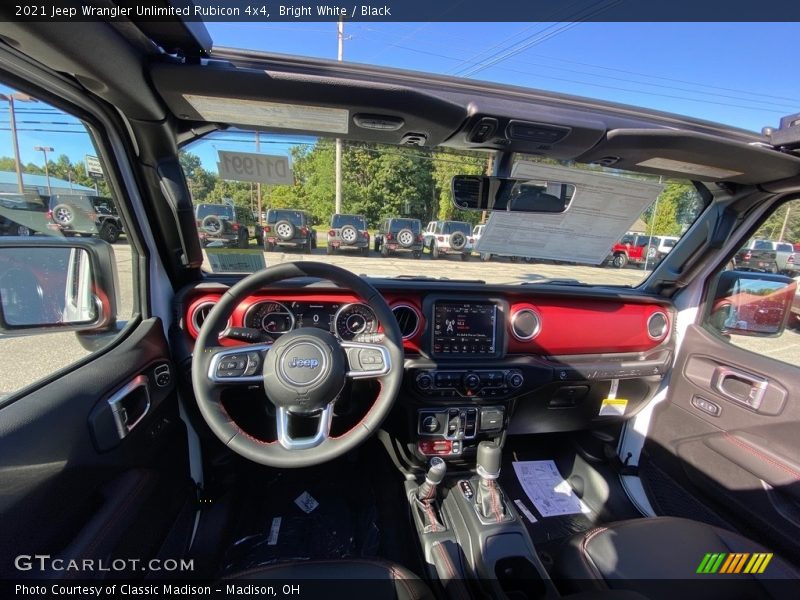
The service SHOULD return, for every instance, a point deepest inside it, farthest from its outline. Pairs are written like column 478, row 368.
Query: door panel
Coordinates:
column 729, row 432
column 65, row 492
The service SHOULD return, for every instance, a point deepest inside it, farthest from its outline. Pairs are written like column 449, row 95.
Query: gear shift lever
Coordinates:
column 436, row 472
column 425, row 496
column 489, row 498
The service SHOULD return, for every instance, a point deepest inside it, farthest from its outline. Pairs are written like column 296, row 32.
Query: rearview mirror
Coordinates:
column 56, row 284
column 753, row 304
column 483, row 193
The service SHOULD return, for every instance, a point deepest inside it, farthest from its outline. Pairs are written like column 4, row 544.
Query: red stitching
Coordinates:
column 585, row 553
column 451, row 573
column 761, row 455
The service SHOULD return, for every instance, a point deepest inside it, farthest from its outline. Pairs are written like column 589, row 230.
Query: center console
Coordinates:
column 471, row 535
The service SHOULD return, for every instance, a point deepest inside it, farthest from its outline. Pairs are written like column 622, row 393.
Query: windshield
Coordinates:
column 223, row 211
column 340, row 221
column 397, row 187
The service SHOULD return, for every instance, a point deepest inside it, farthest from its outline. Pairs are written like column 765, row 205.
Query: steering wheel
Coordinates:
column 302, row 373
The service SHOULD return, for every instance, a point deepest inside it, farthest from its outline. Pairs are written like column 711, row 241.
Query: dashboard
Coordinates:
column 480, row 360
column 444, row 324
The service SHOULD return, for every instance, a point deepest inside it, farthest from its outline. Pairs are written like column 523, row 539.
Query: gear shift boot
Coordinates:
column 425, row 496
column 489, row 501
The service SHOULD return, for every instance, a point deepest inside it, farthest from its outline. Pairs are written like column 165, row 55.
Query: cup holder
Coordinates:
column 518, row 578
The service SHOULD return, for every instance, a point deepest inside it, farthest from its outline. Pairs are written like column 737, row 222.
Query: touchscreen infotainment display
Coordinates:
column 461, row 328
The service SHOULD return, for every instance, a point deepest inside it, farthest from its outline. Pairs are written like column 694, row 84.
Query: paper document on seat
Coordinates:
column 549, row 492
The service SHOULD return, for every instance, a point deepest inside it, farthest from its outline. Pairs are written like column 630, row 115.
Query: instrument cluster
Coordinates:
column 346, row 321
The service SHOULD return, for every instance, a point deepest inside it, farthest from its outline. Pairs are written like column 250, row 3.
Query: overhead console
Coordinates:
column 527, row 135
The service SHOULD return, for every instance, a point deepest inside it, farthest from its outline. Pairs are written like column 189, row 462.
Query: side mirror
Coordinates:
column 752, row 304
column 52, row 284
column 482, row 193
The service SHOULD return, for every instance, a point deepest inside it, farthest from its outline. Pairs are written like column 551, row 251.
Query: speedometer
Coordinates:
column 272, row 317
column 354, row 319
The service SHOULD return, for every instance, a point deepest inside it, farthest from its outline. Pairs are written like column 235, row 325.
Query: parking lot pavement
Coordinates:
column 46, row 354
column 498, row 270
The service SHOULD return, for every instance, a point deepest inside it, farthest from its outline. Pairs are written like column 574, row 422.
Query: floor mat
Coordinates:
column 550, row 533
column 305, row 514
column 547, row 533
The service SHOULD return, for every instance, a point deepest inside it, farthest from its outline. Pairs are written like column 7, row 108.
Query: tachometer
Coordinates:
column 272, row 317
column 354, row 319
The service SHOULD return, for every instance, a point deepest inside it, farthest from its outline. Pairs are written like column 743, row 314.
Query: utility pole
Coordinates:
column 340, row 36
column 258, row 185
column 15, row 142
column 785, row 222
column 45, row 150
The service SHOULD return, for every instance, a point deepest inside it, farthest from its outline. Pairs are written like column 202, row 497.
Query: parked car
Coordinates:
column 80, row 214
column 23, row 214
column 634, row 248
column 769, row 256
column 348, row 231
column 665, row 243
column 796, row 304
column 288, row 227
column 399, row 234
column 449, row 237
column 218, row 225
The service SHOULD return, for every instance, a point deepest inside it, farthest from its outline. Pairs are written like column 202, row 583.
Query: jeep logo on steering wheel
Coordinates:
column 303, row 363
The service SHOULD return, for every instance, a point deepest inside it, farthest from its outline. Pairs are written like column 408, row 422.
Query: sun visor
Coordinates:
column 291, row 102
column 691, row 155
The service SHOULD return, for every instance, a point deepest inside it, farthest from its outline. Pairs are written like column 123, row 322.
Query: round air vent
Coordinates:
column 657, row 326
column 525, row 324
column 408, row 319
column 200, row 313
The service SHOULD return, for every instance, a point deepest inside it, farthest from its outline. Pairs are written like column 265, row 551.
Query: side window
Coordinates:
column 52, row 185
column 759, row 307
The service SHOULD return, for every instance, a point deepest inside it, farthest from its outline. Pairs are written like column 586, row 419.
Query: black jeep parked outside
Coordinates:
column 287, row 227
column 218, row 224
column 79, row 214
column 399, row 234
column 348, row 231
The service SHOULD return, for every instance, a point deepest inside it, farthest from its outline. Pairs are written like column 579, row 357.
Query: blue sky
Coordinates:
column 739, row 74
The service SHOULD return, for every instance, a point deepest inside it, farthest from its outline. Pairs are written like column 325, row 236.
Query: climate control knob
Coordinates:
column 424, row 381
column 515, row 379
column 471, row 381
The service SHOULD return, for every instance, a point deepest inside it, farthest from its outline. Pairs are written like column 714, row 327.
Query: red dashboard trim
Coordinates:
column 568, row 326
column 581, row 327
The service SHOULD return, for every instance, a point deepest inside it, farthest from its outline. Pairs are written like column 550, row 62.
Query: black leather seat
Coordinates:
column 641, row 554
column 385, row 579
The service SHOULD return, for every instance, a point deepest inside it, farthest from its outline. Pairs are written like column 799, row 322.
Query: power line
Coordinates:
column 767, row 97
column 542, row 37
column 586, row 83
column 471, row 60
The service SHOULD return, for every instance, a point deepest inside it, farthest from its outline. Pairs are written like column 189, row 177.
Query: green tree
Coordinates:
column 200, row 181
column 772, row 227
column 674, row 208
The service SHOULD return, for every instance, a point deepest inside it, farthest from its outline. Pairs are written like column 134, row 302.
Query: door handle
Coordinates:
column 130, row 404
column 740, row 387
